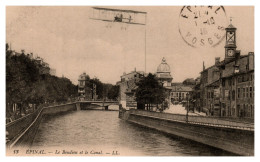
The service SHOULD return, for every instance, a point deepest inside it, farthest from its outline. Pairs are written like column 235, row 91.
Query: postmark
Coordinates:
column 202, row 26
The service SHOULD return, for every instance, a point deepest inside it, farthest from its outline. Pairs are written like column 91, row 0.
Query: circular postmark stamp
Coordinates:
column 202, row 26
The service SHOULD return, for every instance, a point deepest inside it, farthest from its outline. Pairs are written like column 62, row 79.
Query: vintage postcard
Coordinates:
column 130, row 81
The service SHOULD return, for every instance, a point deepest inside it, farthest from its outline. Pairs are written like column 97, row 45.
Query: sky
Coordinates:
column 72, row 43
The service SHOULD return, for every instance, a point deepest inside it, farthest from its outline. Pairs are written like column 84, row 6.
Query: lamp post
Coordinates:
column 187, row 106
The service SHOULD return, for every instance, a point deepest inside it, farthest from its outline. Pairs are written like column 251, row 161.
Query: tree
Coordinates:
column 189, row 81
column 150, row 91
column 99, row 87
column 113, row 92
column 6, row 47
column 25, row 84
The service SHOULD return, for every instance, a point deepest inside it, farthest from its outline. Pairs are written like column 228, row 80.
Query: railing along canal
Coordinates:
column 201, row 120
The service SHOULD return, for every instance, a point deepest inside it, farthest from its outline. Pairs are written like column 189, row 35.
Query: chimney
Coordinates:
column 250, row 61
column 203, row 66
column 250, row 53
column 217, row 60
column 237, row 57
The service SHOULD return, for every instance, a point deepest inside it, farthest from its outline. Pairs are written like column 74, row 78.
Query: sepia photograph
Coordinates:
column 130, row 80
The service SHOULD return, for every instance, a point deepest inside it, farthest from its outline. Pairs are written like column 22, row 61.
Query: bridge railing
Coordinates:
column 202, row 120
column 99, row 101
column 220, row 122
column 159, row 115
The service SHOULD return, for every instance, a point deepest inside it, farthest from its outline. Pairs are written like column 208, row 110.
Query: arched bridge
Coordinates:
column 84, row 105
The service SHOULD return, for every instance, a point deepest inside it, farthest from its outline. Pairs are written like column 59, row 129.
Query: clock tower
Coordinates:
column 230, row 47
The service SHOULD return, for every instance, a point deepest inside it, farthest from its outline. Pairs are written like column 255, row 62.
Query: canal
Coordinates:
column 102, row 132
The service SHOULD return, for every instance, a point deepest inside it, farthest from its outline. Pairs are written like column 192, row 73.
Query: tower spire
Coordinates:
column 230, row 20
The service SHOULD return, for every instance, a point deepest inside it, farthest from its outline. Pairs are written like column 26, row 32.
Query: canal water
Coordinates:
column 103, row 133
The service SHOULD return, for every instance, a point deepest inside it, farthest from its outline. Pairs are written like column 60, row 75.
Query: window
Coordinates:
column 223, row 82
column 233, row 112
column 229, row 111
column 233, row 95
column 247, row 92
column 247, row 78
column 250, row 92
column 212, row 94
column 229, row 82
column 238, row 110
column 252, row 111
column 244, row 92
column 238, row 92
column 81, row 83
column 239, row 79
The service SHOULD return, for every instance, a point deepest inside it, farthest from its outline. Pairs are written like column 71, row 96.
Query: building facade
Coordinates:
column 179, row 92
column 237, row 86
column 164, row 74
column 127, row 89
column 227, row 88
column 84, row 90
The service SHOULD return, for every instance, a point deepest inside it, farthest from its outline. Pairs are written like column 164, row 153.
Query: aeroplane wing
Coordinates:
column 119, row 22
column 118, row 15
column 119, row 10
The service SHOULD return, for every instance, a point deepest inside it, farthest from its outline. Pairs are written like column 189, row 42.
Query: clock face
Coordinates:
column 230, row 52
column 202, row 26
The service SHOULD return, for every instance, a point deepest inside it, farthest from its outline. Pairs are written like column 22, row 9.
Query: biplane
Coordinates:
column 119, row 15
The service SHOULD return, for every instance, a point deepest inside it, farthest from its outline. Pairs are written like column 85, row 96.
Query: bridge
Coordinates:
column 84, row 105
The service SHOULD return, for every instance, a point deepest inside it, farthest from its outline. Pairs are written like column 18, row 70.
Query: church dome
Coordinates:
column 163, row 67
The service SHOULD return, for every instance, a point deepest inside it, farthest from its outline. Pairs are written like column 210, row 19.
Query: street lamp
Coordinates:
column 187, row 106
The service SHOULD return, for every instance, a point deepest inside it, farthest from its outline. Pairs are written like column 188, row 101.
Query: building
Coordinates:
column 127, row 86
column 42, row 66
column 52, row 71
column 164, row 74
column 175, row 91
column 227, row 88
column 179, row 92
column 209, row 89
column 195, row 96
column 84, row 90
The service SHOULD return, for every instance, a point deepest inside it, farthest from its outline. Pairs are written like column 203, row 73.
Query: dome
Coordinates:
column 163, row 67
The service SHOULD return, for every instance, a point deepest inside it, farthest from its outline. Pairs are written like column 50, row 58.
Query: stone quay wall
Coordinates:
column 230, row 136
column 21, row 132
